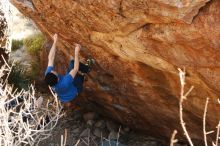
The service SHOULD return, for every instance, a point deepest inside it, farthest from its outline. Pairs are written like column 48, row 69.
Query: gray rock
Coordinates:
column 126, row 129
column 113, row 135
column 89, row 116
column 22, row 57
column 100, row 124
column 21, row 54
column 97, row 132
column 112, row 126
column 77, row 130
column 77, row 116
column 110, row 143
column 93, row 136
column 85, row 133
column 100, row 132
column 90, row 122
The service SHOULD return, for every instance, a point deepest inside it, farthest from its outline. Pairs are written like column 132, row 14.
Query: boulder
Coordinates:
column 89, row 116
column 137, row 46
column 100, row 124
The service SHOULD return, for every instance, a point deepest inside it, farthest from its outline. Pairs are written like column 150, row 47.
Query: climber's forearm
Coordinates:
column 51, row 55
column 76, row 62
column 52, row 52
column 74, row 71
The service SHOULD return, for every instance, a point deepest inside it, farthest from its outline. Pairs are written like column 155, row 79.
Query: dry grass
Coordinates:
column 22, row 118
column 89, row 141
column 183, row 96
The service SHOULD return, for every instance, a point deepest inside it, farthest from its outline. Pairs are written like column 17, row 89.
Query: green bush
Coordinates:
column 34, row 43
column 35, row 70
column 16, row 44
column 19, row 77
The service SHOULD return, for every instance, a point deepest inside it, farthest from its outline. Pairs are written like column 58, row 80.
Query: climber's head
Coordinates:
column 51, row 78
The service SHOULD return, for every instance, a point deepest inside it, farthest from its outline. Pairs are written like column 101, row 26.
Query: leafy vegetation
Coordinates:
column 35, row 70
column 25, row 120
column 34, row 43
column 16, row 44
column 19, row 77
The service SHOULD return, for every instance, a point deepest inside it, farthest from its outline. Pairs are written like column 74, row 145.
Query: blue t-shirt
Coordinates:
column 65, row 88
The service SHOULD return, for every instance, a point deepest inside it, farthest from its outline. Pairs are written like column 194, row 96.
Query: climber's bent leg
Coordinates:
column 78, row 82
column 82, row 67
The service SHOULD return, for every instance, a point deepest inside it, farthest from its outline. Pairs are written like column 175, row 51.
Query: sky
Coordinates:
column 21, row 27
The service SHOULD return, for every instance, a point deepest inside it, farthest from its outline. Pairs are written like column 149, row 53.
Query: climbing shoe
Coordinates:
column 90, row 63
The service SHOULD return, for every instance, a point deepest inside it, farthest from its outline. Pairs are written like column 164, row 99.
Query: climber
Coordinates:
column 66, row 86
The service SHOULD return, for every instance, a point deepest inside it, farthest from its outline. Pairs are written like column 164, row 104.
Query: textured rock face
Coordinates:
column 138, row 46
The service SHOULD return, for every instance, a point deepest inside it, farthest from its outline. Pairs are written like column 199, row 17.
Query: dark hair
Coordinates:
column 51, row 79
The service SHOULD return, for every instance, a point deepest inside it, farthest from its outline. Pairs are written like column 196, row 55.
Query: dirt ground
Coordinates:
column 86, row 128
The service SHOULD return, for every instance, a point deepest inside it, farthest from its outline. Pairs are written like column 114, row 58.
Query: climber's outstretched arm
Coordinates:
column 51, row 55
column 74, row 71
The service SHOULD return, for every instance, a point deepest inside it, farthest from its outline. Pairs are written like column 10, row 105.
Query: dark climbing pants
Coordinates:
column 78, row 79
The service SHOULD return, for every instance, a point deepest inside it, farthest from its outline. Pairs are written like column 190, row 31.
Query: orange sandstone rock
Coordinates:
column 138, row 46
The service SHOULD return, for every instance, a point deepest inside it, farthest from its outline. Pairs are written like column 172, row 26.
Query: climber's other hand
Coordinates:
column 55, row 37
column 77, row 48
